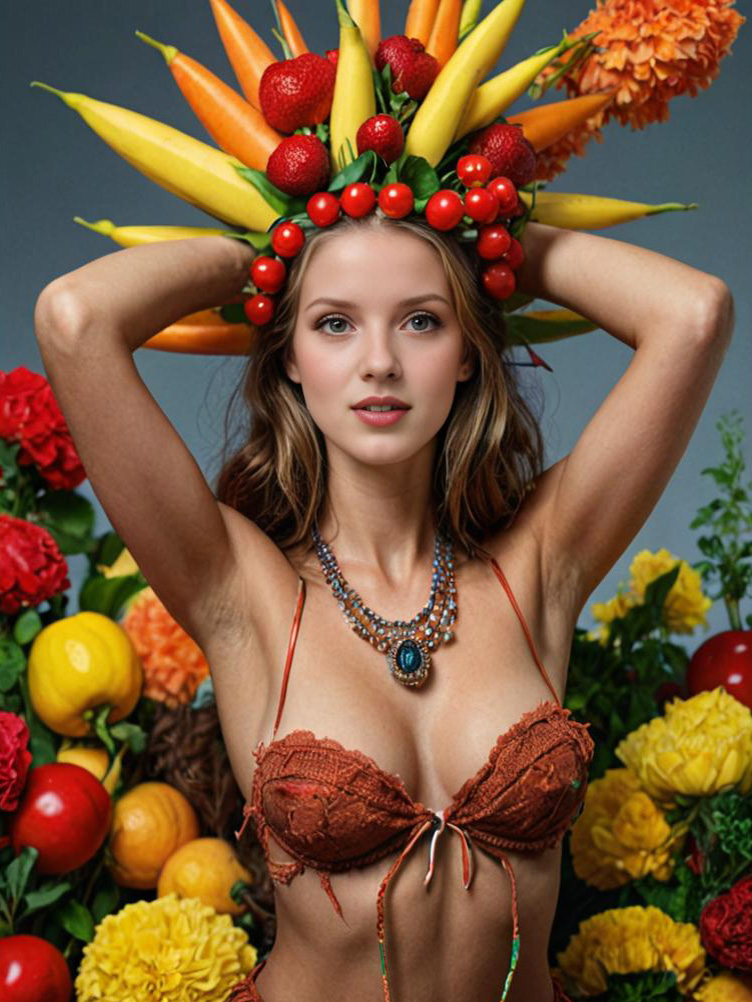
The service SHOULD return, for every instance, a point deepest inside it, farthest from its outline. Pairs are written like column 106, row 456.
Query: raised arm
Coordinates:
column 88, row 323
column 679, row 321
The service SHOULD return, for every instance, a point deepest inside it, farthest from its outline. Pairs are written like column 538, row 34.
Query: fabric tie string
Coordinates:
column 438, row 822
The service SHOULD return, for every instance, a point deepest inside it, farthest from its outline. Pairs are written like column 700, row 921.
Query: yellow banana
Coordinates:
column 590, row 212
column 132, row 236
column 354, row 98
column 545, row 326
column 493, row 98
column 186, row 167
column 437, row 118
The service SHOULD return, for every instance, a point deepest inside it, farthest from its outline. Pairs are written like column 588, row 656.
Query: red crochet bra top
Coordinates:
column 332, row 808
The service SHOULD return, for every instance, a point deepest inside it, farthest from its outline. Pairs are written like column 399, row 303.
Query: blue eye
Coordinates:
column 335, row 318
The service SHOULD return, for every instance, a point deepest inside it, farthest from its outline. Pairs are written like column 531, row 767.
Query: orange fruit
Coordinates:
column 204, row 868
column 150, row 821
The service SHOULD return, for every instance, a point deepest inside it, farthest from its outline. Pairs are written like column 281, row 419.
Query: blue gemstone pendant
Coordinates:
column 409, row 661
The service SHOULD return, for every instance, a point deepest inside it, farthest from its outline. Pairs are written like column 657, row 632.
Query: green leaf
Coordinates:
column 355, row 171
column 27, row 626
column 130, row 732
column 18, row 871
column 77, row 920
column 522, row 328
column 12, row 663
column 106, row 899
column 109, row 595
column 233, row 313
column 43, row 896
column 69, row 514
column 278, row 200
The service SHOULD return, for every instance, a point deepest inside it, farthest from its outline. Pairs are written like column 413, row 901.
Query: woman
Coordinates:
column 375, row 784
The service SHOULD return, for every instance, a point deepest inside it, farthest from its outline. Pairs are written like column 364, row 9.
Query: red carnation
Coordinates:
column 726, row 927
column 29, row 414
column 32, row 567
column 15, row 759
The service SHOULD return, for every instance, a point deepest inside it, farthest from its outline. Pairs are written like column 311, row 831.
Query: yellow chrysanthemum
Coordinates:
column 174, row 664
column 630, row 941
column 622, row 834
column 685, row 605
column 606, row 612
column 699, row 746
column 167, row 950
column 726, row 987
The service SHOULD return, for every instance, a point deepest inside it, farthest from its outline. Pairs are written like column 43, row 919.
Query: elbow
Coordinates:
column 60, row 314
column 715, row 315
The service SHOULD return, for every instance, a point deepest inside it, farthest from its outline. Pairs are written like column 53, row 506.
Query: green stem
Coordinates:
column 732, row 608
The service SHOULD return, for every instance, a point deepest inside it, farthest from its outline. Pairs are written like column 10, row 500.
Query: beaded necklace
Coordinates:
column 407, row 646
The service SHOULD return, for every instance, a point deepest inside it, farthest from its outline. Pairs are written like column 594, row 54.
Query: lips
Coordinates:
column 381, row 402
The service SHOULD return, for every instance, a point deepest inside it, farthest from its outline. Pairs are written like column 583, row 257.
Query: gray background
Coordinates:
column 52, row 167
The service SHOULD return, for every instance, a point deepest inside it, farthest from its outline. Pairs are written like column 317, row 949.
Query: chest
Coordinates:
column 433, row 738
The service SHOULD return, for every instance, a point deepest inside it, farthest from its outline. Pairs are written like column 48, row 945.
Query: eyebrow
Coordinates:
column 404, row 302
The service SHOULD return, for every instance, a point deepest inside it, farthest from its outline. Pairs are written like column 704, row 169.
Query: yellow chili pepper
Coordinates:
column 591, row 212
column 132, row 236
column 354, row 98
column 79, row 664
column 190, row 169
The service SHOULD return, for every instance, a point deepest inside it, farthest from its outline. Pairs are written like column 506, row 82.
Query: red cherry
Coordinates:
column 506, row 192
column 474, row 169
column 723, row 659
column 259, row 309
column 358, row 199
column 515, row 255
column 445, row 209
column 323, row 208
column 493, row 241
column 288, row 239
column 481, row 205
column 396, row 200
column 499, row 280
column 268, row 273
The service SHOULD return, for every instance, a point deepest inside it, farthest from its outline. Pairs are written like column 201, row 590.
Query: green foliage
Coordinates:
column 727, row 544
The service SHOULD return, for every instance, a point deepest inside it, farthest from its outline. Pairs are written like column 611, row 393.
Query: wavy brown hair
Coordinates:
column 489, row 450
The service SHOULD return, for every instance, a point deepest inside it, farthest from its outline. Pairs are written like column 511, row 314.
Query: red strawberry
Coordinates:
column 299, row 165
column 382, row 134
column 511, row 155
column 413, row 69
column 332, row 55
column 296, row 92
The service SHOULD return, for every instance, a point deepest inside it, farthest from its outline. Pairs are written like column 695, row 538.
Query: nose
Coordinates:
column 380, row 358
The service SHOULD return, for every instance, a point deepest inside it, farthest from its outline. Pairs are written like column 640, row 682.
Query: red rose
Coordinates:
column 726, row 927
column 29, row 414
column 32, row 567
column 15, row 759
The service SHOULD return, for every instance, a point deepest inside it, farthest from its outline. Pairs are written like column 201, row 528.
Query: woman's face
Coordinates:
column 375, row 319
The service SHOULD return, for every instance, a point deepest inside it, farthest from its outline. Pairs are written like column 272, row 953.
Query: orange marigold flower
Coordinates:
column 174, row 664
column 651, row 52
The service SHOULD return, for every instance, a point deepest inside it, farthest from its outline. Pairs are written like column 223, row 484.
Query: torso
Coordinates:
column 447, row 943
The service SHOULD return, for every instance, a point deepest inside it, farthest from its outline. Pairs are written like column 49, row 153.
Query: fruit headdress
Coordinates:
column 404, row 126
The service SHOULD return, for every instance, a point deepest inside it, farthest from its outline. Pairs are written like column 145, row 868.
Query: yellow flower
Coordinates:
column 616, row 608
column 124, row 564
column 622, row 834
column 726, row 987
column 685, row 605
column 700, row 746
column 630, row 941
column 167, row 950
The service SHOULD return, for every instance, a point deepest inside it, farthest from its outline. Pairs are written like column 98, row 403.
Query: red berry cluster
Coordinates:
column 486, row 202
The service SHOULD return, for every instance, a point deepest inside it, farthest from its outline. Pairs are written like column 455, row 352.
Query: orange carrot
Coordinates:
column 420, row 17
column 249, row 55
column 235, row 125
column 546, row 123
column 443, row 39
column 367, row 16
column 291, row 31
column 204, row 333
